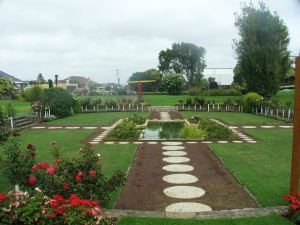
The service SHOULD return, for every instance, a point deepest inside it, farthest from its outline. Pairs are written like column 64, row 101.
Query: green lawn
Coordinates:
column 22, row 108
column 264, row 168
column 286, row 96
column 264, row 220
column 95, row 119
column 234, row 118
column 114, row 158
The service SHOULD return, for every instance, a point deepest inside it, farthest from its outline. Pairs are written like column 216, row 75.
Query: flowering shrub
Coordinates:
column 80, row 175
column 294, row 207
column 20, row 208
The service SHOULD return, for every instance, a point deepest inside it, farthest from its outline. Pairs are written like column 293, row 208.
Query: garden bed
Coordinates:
column 144, row 188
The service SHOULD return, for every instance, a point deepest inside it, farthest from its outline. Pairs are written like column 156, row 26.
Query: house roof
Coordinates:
column 14, row 79
column 82, row 81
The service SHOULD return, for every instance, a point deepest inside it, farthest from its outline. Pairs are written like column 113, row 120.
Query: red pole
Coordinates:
column 140, row 89
column 295, row 167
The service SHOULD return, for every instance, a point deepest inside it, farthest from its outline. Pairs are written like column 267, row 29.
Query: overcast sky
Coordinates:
column 93, row 38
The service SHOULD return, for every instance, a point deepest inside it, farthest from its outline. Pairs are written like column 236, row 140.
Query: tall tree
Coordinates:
column 151, row 74
column 185, row 58
column 40, row 78
column 261, row 50
column 6, row 87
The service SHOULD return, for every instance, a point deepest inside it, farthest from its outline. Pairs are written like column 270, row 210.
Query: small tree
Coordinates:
column 58, row 100
column 6, row 87
column 173, row 83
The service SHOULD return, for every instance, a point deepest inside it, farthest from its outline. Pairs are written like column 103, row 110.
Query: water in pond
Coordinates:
column 163, row 130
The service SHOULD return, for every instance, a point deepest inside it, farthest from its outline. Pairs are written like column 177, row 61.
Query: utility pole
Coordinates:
column 118, row 73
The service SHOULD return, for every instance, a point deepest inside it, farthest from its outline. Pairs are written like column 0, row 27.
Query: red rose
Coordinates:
column 35, row 168
column 92, row 173
column 31, row 180
column 51, row 170
column 29, row 146
column 78, row 178
column 294, row 206
column 3, row 197
column 52, row 215
column 66, row 186
column 54, row 203
column 59, row 211
column 57, row 161
column 58, row 197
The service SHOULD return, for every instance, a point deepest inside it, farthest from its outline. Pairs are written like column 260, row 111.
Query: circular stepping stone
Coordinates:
column 174, row 153
column 223, row 142
column 184, row 192
column 152, row 142
column 176, row 159
column 248, row 139
column 173, row 148
column 172, row 143
column 237, row 142
column 252, row 141
column 179, row 168
column 180, row 179
column 267, row 126
column 187, row 207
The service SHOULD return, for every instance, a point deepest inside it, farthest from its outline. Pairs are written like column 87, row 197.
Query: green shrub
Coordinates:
column 32, row 94
column 4, row 130
column 215, row 92
column 215, row 130
column 126, row 130
column 192, row 133
column 59, row 101
column 137, row 119
column 173, row 83
column 11, row 111
column 49, row 118
column 251, row 100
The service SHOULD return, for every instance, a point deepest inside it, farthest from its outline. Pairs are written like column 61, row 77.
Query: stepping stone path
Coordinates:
column 165, row 116
column 182, row 182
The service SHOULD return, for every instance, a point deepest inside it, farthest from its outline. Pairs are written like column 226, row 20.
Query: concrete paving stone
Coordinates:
column 174, row 153
column 184, row 192
column 171, row 143
column 187, row 207
column 176, row 159
column 178, row 168
column 180, row 178
column 173, row 148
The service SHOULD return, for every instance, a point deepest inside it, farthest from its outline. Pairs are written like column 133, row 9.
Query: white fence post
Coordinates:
column 11, row 123
column 207, row 107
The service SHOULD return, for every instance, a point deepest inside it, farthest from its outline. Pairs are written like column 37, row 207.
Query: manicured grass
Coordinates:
column 95, row 119
column 264, row 168
column 173, row 99
column 264, row 220
column 234, row 118
column 22, row 108
column 286, row 96
column 114, row 158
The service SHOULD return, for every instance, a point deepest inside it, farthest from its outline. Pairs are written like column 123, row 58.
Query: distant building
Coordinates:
column 71, row 87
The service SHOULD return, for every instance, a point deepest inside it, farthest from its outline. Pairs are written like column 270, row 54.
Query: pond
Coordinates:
column 166, row 130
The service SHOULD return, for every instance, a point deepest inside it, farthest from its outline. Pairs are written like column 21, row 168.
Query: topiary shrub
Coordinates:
column 59, row 101
column 251, row 100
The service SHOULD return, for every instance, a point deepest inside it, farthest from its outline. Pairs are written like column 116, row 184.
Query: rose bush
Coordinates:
column 294, row 207
column 81, row 175
column 19, row 208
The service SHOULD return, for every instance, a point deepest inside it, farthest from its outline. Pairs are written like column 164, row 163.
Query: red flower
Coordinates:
column 58, row 197
column 30, row 146
column 57, row 161
column 66, row 186
column 2, row 197
column 92, row 173
column 53, row 143
column 31, row 180
column 54, row 203
column 294, row 206
column 78, row 178
column 59, row 211
column 52, row 215
column 35, row 168
column 43, row 165
column 51, row 170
